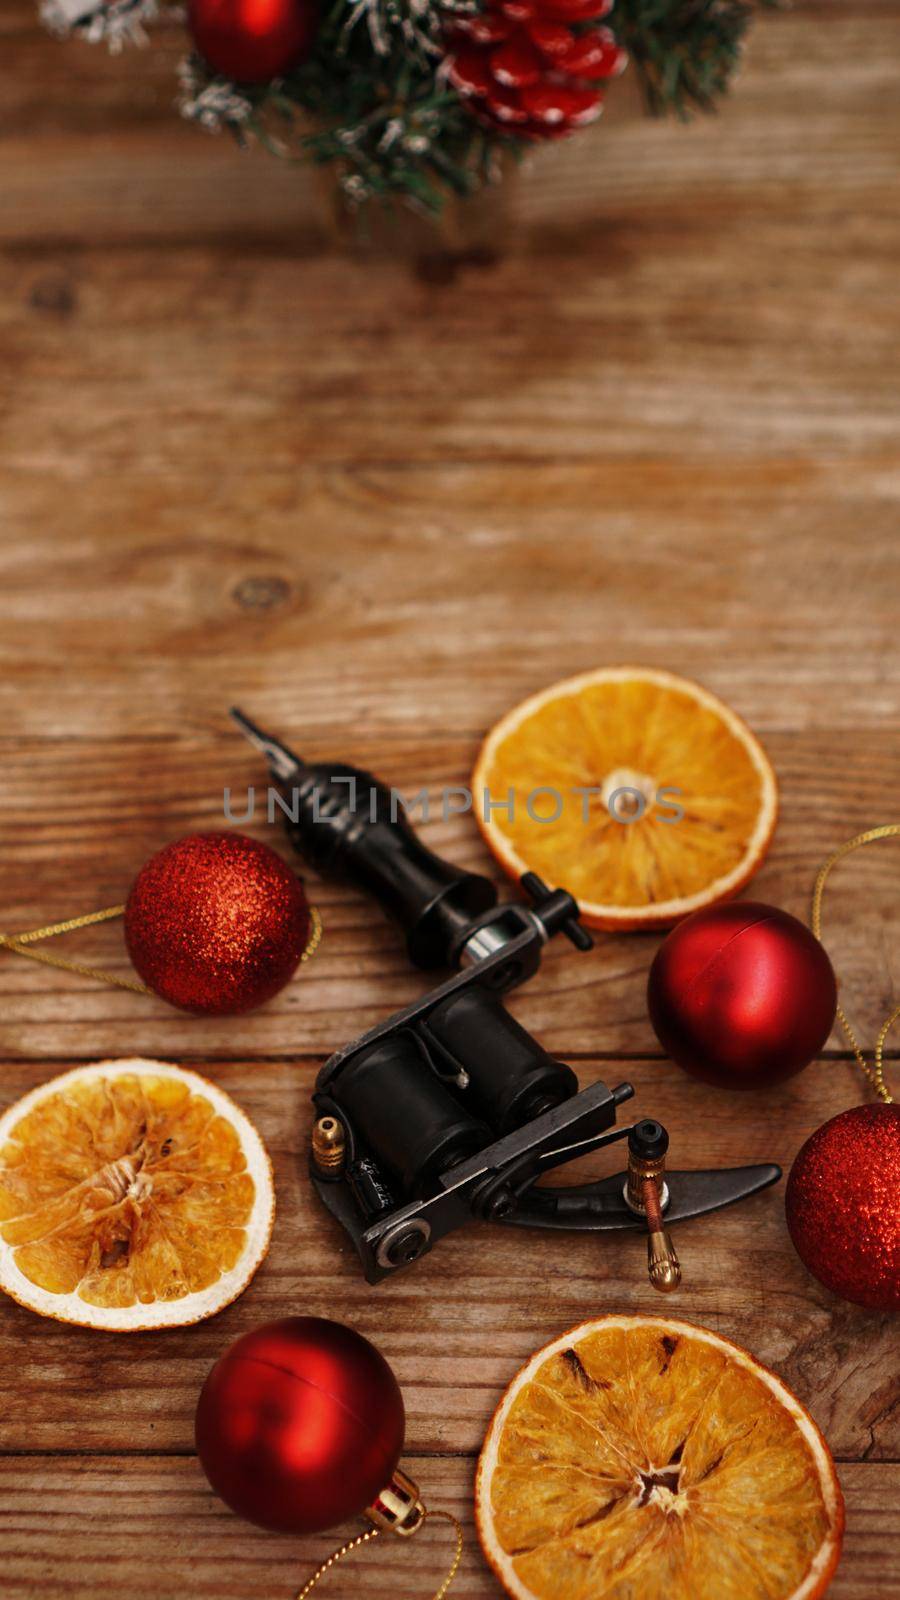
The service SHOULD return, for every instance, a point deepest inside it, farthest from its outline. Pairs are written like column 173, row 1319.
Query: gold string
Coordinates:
column 335, row 1557
column 875, row 1072
column 448, row 1517
column 316, row 933
column 373, row 1533
column 53, row 928
column 19, row 944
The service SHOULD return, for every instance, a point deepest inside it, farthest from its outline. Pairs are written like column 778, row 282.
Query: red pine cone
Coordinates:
column 530, row 69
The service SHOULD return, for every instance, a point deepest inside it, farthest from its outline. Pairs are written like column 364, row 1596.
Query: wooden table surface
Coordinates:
column 378, row 501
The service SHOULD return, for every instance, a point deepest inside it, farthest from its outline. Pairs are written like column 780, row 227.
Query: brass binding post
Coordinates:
column 328, row 1146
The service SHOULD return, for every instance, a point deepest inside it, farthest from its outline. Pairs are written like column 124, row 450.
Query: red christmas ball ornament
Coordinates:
column 253, row 41
column 741, row 995
column 843, row 1206
column 216, row 922
column 532, row 67
column 300, row 1425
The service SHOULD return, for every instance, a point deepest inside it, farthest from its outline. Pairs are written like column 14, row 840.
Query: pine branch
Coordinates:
column 381, row 108
column 371, row 101
column 374, row 100
column 685, row 51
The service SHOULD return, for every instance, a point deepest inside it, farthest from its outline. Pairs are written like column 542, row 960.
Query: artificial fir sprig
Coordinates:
column 116, row 22
column 371, row 100
column 378, row 99
column 685, row 51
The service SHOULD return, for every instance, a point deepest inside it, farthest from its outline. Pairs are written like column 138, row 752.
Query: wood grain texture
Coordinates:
column 149, row 1527
column 377, row 502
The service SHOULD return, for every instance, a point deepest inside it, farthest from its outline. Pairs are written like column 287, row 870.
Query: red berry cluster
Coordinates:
column 531, row 67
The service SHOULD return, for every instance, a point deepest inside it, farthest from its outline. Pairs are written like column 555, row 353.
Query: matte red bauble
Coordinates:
column 843, row 1206
column 216, row 922
column 252, row 41
column 300, row 1425
column 741, row 995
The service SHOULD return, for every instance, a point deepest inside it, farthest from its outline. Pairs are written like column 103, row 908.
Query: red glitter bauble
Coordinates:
column 216, row 922
column 252, row 41
column 741, row 995
column 300, row 1425
column 843, row 1206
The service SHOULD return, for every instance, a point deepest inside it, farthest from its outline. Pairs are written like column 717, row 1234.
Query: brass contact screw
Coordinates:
column 328, row 1146
column 663, row 1266
column 648, row 1143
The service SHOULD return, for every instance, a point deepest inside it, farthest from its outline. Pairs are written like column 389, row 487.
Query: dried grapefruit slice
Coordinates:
column 638, row 1458
column 133, row 1195
column 595, row 769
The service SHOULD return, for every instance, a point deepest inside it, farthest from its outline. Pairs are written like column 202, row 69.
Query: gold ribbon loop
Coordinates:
column 874, row 1073
column 375, row 1533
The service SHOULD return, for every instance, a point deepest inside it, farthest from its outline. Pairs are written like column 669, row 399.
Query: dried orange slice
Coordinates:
column 638, row 791
column 637, row 1458
column 133, row 1195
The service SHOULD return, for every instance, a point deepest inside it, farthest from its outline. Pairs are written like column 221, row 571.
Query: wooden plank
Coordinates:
column 742, row 337
column 150, row 1527
column 419, row 657
column 461, row 1321
column 115, row 804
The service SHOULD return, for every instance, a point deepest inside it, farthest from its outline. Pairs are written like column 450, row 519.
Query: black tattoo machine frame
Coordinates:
column 450, row 1111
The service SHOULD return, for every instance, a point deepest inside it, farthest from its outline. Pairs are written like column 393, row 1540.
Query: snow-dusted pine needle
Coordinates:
column 115, row 22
